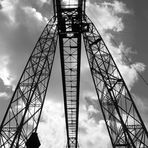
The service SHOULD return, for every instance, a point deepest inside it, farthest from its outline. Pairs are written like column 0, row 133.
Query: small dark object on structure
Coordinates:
column 33, row 141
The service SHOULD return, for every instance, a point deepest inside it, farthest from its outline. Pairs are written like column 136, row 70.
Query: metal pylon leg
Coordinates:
column 125, row 126
column 24, row 110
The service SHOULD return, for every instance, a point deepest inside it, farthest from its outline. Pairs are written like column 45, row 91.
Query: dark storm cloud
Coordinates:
column 5, row 89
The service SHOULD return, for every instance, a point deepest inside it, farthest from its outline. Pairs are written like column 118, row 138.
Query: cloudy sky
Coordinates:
column 122, row 24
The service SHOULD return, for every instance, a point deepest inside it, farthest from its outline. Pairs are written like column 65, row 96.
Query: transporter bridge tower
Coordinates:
column 67, row 27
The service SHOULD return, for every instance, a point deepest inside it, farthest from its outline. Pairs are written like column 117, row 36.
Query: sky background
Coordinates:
column 123, row 26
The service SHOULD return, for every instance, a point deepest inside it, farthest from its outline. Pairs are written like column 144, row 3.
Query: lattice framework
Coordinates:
column 124, row 124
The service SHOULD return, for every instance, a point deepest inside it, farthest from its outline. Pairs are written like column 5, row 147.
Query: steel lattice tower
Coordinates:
column 124, row 124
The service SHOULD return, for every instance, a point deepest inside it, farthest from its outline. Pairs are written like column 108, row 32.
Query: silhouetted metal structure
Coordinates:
column 125, row 126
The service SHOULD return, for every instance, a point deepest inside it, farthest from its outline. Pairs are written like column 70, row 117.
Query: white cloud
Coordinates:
column 19, row 25
column 5, row 74
column 128, row 70
column 52, row 126
column 130, row 74
column 19, row 13
column 34, row 14
column 8, row 10
column 3, row 95
column 92, row 133
column 107, row 15
column 117, row 6
column 92, row 109
column 51, row 129
column 34, row 20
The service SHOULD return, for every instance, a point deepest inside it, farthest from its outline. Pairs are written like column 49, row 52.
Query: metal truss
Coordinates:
column 69, row 20
column 24, row 111
column 125, row 126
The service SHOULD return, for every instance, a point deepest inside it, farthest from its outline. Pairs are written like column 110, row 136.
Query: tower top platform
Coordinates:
column 68, row 4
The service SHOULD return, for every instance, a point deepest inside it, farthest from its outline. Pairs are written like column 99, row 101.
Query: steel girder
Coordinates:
column 69, row 21
column 24, row 111
column 125, row 126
